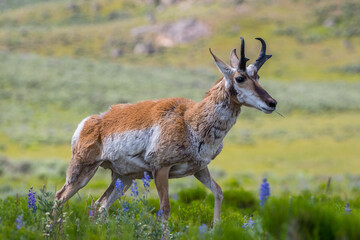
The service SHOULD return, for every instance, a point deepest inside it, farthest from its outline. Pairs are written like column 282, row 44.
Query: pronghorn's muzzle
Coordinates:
column 270, row 105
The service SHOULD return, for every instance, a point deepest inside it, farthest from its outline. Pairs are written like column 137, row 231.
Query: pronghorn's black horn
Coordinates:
column 243, row 59
column 262, row 56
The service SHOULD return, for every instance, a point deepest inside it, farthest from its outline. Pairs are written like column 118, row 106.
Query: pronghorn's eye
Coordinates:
column 239, row 79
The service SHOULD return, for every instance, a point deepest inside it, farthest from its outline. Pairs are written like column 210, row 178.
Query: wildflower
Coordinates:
column 134, row 189
column 175, row 197
column 347, row 208
column 249, row 223
column 146, row 181
column 264, row 192
column 19, row 221
column 245, row 222
column 159, row 213
column 92, row 210
column 119, row 186
column 202, row 228
column 31, row 200
column 125, row 206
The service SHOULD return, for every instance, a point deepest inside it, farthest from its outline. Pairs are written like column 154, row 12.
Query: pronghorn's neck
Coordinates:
column 213, row 117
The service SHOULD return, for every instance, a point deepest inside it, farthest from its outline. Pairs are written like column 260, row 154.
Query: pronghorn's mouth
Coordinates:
column 267, row 110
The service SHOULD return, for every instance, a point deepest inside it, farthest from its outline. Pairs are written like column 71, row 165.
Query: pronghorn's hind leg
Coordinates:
column 161, row 178
column 205, row 178
column 77, row 176
column 111, row 193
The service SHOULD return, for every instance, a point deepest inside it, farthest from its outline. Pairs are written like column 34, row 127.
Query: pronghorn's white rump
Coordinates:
column 77, row 132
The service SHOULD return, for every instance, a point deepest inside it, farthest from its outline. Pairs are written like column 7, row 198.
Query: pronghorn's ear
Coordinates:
column 225, row 69
column 234, row 59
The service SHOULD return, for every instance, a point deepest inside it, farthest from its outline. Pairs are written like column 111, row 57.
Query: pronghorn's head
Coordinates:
column 243, row 82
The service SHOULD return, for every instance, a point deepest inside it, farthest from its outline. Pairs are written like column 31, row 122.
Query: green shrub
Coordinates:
column 239, row 198
column 191, row 194
column 232, row 183
column 309, row 218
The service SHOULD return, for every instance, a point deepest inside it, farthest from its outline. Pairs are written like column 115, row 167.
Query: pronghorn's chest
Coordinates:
column 208, row 139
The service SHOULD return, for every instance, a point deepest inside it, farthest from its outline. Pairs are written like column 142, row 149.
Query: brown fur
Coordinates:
column 126, row 117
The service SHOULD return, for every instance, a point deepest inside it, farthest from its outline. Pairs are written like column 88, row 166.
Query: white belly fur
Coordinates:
column 128, row 151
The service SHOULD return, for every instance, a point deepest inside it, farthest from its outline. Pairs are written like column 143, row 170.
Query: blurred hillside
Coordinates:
column 308, row 39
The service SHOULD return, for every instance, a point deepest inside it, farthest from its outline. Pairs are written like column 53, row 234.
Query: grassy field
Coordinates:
column 302, row 216
column 57, row 66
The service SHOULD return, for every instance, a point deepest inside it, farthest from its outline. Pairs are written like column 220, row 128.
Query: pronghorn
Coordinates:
column 169, row 138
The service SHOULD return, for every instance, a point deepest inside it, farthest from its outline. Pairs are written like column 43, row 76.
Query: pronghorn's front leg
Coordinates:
column 204, row 176
column 161, row 178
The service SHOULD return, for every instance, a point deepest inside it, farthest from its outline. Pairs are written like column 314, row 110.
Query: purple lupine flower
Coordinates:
column 19, row 221
column 264, row 192
column 146, row 181
column 134, row 189
column 202, row 228
column 125, row 206
column 92, row 210
column 147, row 176
column 347, row 208
column 249, row 223
column 31, row 200
column 119, row 186
column 245, row 222
column 159, row 213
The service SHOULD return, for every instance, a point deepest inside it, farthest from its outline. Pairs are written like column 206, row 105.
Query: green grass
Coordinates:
column 303, row 216
column 7, row 5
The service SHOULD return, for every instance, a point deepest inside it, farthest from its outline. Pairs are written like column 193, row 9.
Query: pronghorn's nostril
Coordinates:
column 271, row 102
